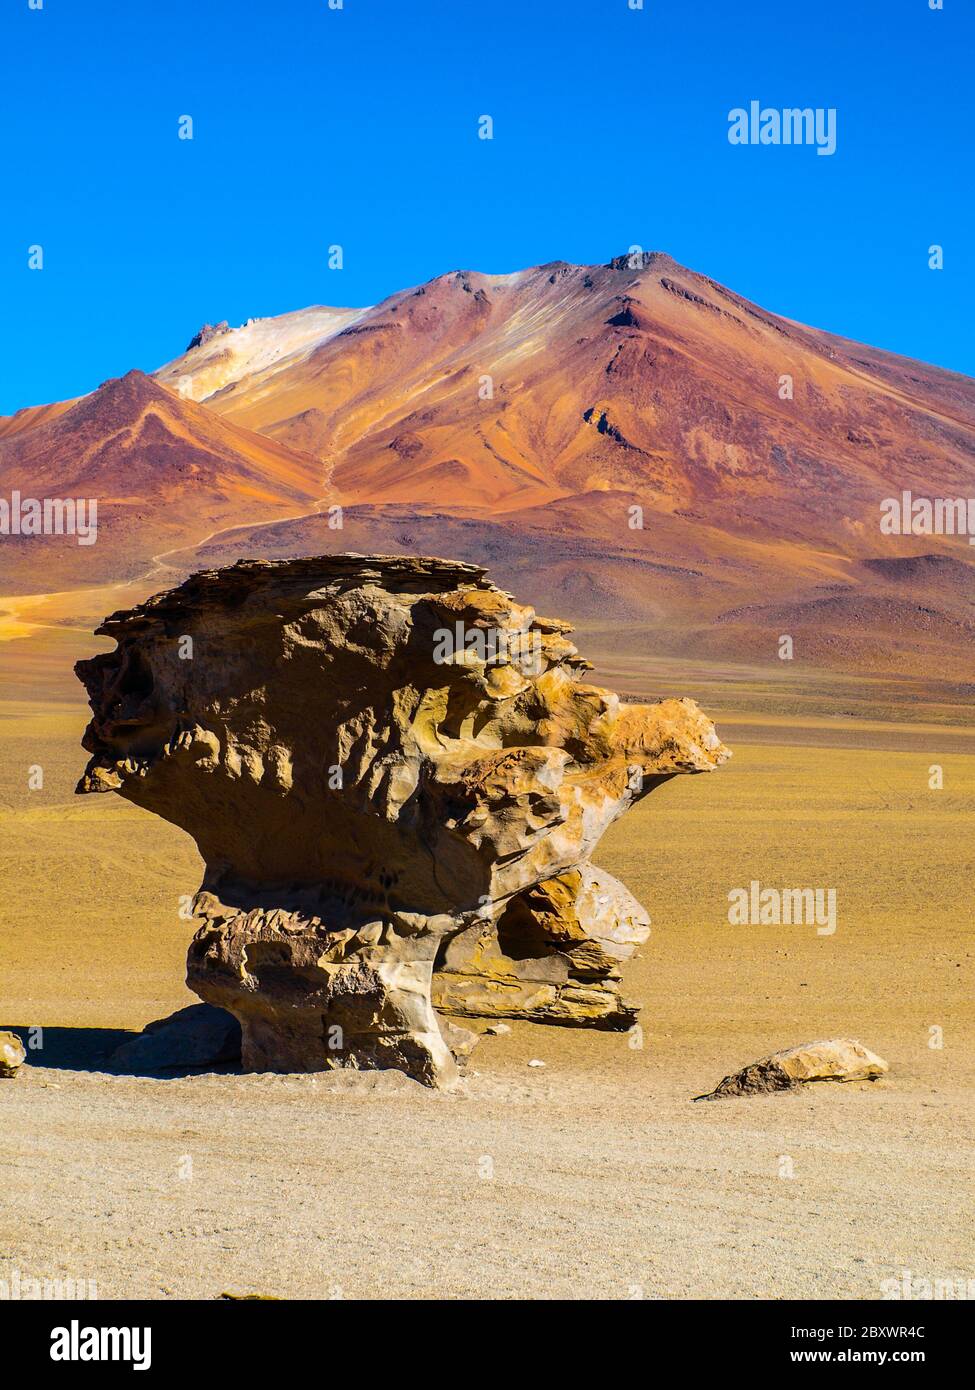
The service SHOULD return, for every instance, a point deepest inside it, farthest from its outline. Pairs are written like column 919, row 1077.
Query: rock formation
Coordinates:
column 207, row 333
column 396, row 776
column 12, row 1054
column 835, row 1059
column 551, row 953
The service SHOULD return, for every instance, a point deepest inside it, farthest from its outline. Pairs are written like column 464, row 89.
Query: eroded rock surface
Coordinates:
column 12, row 1054
column 835, row 1059
column 551, row 954
column 396, row 776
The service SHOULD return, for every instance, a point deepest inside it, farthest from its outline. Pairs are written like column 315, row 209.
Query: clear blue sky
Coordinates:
column 359, row 126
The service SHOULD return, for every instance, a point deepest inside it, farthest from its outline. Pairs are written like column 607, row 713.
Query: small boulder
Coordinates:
column 461, row 1041
column 197, row 1036
column 12, row 1054
column 837, row 1059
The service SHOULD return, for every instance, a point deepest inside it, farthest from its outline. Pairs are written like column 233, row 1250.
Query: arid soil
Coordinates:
column 593, row 1176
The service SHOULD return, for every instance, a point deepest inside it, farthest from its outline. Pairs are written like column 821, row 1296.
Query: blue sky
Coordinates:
column 358, row 126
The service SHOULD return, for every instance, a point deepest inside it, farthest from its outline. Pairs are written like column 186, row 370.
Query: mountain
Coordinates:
column 223, row 358
column 497, row 392
column 531, row 418
column 165, row 472
column 632, row 444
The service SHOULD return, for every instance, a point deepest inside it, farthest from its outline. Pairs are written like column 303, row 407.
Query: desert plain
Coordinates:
column 593, row 1176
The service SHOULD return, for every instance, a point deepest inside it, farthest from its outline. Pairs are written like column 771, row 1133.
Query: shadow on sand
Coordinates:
column 91, row 1049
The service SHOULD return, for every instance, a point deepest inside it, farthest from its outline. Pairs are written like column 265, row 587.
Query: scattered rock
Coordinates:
column 629, row 315
column 407, row 445
column 461, row 1041
column 396, row 776
column 12, row 1054
column 206, row 333
column 838, row 1059
column 598, row 416
column 197, row 1036
column 497, row 1029
column 536, row 1063
column 249, row 1297
column 640, row 260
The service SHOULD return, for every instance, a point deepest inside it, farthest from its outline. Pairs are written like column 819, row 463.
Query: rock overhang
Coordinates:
column 376, row 755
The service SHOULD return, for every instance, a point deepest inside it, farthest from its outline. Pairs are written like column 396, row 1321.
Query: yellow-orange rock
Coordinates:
column 391, row 769
column 833, row 1059
column 12, row 1054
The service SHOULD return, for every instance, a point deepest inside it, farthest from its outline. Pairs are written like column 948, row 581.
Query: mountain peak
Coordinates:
column 637, row 259
column 535, row 415
column 207, row 333
column 133, row 389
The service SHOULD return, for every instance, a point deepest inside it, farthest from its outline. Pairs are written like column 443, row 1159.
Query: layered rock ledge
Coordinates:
column 396, row 776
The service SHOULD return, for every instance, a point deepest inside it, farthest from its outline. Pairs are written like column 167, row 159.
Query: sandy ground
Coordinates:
column 595, row 1176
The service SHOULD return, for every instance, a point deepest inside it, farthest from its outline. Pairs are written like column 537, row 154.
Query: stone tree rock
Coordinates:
column 396, row 776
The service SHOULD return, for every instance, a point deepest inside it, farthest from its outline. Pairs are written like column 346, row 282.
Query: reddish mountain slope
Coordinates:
column 629, row 442
column 556, row 404
column 496, row 392
column 164, row 472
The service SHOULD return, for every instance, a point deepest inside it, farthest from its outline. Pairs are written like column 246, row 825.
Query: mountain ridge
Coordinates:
column 634, row 432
